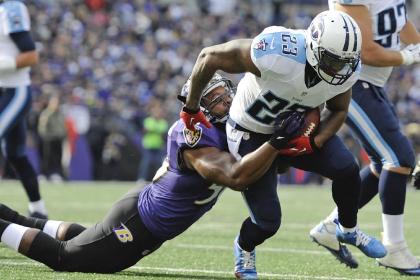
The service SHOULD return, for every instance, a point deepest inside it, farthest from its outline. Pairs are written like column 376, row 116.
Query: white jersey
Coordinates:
column 13, row 18
column 280, row 55
column 388, row 18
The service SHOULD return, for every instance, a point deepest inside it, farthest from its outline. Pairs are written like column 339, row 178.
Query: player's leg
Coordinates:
column 116, row 243
column 56, row 229
column 335, row 162
column 390, row 149
column 263, row 204
column 14, row 105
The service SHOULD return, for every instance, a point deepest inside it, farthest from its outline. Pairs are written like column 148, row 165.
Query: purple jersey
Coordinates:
column 178, row 196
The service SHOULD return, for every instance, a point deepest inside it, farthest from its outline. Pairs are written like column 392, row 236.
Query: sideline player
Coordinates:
column 17, row 54
column 183, row 190
column 372, row 118
column 289, row 70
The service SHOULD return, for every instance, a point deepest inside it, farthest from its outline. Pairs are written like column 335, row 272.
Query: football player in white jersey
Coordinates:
column 371, row 116
column 17, row 54
column 289, row 70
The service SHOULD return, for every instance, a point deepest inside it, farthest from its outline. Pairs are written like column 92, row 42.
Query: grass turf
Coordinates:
column 205, row 250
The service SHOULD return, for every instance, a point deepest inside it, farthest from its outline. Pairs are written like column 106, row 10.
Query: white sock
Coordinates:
column 37, row 206
column 347, row 230
column 51, row 228
column 12, row 235
column 333, row 215
column 393, row 228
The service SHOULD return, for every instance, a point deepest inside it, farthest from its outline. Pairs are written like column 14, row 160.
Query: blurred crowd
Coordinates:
column 106, row 66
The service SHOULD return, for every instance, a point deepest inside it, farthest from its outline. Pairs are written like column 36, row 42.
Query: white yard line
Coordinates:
column 203, row 271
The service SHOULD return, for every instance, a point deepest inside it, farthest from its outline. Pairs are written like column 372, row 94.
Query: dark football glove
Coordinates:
column 286, row 129
column 191, row 117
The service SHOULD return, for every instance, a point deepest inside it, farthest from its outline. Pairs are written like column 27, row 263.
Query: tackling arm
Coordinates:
column 334, row 118
column 231, row 57
column 221, row 167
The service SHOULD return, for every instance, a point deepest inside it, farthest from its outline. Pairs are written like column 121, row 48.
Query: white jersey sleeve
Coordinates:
column 275, row 48
column 15, row 17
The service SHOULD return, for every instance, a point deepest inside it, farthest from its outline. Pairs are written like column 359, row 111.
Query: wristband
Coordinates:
column 190, row 111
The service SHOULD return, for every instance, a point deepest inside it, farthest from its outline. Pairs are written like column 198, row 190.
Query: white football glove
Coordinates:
column 411, row 54
column 7, row 63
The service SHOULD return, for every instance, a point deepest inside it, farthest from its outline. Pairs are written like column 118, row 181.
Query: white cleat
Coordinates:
column 401, row 259
column 324, row 234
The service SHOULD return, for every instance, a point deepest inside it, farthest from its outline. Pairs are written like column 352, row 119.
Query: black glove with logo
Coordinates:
column 287, row 128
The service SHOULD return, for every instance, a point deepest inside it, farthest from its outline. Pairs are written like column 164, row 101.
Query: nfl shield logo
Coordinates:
column 261, row 45
column 192, row 137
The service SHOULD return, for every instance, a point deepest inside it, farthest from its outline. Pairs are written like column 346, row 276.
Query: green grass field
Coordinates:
column 205, row 250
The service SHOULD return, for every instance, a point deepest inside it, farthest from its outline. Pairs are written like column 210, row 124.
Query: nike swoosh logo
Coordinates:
column 297, row 150
column 272, row 44
column 280, row 137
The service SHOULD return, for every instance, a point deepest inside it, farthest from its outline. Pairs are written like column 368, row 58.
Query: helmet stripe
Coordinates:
column 346, row 42
column 355, row 36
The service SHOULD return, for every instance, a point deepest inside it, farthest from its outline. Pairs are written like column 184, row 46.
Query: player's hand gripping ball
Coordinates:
column 304, row 143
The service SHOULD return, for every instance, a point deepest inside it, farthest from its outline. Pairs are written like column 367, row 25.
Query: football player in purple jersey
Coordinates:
column 197, row 168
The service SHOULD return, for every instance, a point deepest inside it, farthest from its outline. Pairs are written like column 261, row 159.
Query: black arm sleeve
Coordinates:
column 23, row 41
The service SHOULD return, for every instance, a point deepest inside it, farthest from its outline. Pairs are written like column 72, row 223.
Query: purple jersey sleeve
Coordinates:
column 202, row 137
column 180, row 138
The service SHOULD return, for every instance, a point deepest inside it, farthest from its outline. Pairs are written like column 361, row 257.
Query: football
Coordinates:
column 311, row 124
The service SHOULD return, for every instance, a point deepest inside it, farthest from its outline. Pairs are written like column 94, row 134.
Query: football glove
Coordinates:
column 411, row 54
column 299, row 146
column 191, row 117
column 286, row 129
column 416, row 176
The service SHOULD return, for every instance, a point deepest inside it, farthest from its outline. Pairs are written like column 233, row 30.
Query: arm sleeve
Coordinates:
column 16, row 17
column 259, row 53
column 203, row 137
column 23, row 41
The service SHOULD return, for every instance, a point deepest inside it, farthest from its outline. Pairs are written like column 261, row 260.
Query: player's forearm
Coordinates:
column 376, row 55
column 201, row 75
column 331, row 123
column 251, row 167
column 27, row 59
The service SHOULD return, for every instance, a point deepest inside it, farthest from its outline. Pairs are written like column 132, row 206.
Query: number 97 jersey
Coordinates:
column 280, row 55
column 388, row 19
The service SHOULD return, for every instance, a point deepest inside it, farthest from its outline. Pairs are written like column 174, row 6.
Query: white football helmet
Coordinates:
column 333, row 45
column 216, row 81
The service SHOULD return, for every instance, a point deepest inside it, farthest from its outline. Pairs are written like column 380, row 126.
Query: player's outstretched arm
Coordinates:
column 221, row 167
column 372, row 53
column 232, row 57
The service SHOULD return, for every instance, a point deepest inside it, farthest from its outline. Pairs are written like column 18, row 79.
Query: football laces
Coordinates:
column 310, row 129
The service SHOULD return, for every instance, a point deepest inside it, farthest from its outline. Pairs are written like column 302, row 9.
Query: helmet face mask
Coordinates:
column 333, row 46
column 334, row 69
column 219, row 90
